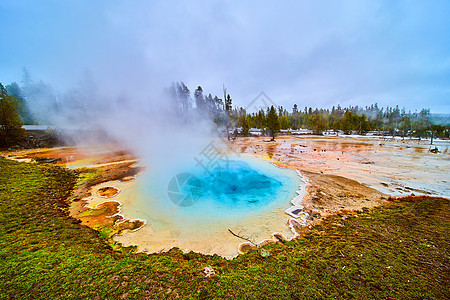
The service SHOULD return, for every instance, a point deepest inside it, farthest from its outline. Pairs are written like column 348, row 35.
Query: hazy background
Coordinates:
column 313, row 53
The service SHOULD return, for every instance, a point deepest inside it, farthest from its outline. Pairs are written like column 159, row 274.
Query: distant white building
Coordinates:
column 301, row 131
column 259, row 132
column 255, row 131
column 36, row 127
column 332, row 132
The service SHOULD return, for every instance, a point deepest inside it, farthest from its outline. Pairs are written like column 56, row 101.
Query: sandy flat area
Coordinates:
column 392, row 166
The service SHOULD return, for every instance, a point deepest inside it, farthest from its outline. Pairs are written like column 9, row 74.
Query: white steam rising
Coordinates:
column 152, row 127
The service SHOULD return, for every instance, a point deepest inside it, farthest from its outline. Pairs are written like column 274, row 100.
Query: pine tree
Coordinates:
column 199, row 99
column 244, row 124
column 273, row 124
column 295, row 117
column 23, row 110
column 11, row 131
column 228, row 103
column 184, row 96
column 228, row 107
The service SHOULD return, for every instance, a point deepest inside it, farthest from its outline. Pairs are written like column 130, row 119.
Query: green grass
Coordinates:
column 400, row 251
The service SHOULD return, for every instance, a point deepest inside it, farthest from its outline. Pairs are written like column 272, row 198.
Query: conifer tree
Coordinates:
column 11, row 131
column 273, row 124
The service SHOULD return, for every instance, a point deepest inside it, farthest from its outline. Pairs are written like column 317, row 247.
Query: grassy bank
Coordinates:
column 398, row 251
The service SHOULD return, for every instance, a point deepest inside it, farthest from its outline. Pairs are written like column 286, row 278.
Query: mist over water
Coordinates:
column 246, row 194
column 152, row 127
column 168, row 140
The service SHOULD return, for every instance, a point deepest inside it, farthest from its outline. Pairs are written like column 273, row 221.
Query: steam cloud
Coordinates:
column 152, row 127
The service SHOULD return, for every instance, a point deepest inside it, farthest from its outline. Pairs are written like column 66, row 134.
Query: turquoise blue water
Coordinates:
column 242, row 187
column 236, row 186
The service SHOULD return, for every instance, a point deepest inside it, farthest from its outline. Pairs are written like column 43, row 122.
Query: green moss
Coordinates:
column 93, row 212
column 398, row 251
column 106, row 232
column 87, row 175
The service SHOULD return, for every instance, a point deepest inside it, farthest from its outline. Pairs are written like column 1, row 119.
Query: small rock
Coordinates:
column 209, row 271
column 264, row 253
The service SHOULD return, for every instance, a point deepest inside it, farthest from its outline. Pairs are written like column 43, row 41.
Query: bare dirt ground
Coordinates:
column 74, row 157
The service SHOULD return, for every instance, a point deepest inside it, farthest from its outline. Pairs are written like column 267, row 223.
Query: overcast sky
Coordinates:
column 312, row 53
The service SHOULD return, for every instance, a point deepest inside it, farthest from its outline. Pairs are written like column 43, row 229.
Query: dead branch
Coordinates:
column 244, row 238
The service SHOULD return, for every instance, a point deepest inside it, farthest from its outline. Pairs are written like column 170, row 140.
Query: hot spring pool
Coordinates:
column 194, row 209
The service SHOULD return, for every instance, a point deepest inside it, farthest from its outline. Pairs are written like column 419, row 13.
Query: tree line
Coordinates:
column 15, row 110
column 347, row 120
